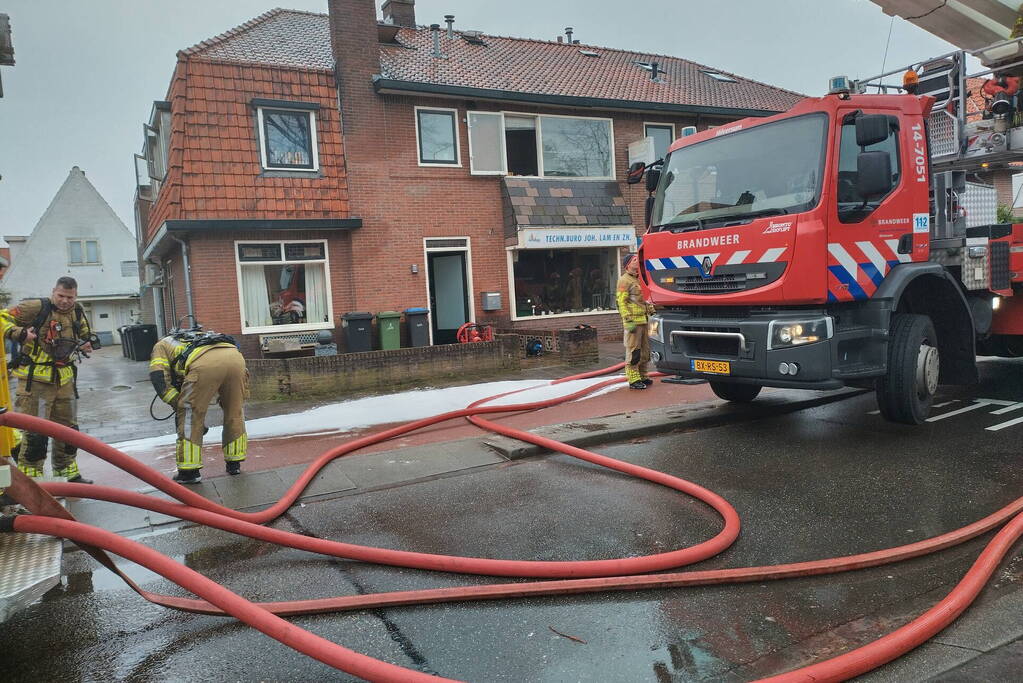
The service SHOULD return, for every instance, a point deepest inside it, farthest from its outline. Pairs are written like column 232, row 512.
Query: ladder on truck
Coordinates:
column 961, row 139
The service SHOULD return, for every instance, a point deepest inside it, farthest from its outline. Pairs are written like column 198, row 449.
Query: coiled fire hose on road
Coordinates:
column 578, row 577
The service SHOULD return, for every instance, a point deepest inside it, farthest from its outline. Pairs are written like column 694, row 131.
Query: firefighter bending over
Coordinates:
column 188, row 368
column 52, row 333
column 634, row 311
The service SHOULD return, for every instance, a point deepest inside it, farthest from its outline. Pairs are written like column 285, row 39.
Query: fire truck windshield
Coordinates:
column 766, row 170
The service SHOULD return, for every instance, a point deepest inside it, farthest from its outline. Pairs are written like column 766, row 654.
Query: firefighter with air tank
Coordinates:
column 52, row 333
column 188, row 368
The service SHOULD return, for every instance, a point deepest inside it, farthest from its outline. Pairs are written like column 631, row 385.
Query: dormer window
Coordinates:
column 287, row 135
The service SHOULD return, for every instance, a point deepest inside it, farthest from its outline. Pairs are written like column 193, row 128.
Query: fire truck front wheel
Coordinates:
column 736, row 393
column 905, row 394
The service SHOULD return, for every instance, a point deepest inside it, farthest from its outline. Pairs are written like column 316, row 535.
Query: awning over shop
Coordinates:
column 590, row 206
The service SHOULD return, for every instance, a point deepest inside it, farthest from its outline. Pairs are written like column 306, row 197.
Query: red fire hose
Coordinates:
column 603, row 575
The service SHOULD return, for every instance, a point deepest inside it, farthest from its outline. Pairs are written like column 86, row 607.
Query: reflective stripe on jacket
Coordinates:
column 629, row 297
column 37, row 356
column 164, row 359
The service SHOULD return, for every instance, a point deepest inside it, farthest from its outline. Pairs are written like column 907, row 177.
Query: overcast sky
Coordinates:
column 87, row 72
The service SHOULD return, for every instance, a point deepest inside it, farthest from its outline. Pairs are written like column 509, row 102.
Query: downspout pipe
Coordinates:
column 188, row 276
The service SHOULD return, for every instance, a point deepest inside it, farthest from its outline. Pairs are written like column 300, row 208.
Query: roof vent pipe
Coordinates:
column 435, row 30
column 653, row 71
column 449, row 19
column 568, row 33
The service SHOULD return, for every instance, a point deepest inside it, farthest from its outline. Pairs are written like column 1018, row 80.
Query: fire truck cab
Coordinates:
column 826, row 247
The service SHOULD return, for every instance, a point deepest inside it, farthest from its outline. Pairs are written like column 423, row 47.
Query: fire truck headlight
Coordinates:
column 654, row 328
column 786, row 333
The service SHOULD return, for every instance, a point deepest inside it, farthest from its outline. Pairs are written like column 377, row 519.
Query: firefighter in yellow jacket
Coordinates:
column 634, row 311
column 51, row 332
column 188, row 369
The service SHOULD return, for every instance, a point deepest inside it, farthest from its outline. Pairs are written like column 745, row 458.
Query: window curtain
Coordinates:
column 315, row 293
column 255, row 297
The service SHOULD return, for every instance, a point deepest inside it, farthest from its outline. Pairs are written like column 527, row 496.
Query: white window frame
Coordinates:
column 85, row 252
column 504, row 151
column 512, row 295
column 468, row 273
column 660, row 125
column 539, row 145
column 313, row 139
column 458, row 138
column 299, row 327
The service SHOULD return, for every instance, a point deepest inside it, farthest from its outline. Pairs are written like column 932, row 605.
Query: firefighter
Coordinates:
column 634, row 311
column 187, row 369
column 51, row 332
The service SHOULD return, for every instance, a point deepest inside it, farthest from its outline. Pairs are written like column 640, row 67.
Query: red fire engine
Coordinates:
column 827, row 246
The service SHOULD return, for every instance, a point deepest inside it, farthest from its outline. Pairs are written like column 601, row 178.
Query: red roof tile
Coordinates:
column 289, row 38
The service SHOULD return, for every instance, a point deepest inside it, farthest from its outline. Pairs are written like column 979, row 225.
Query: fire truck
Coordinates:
column 828, row 246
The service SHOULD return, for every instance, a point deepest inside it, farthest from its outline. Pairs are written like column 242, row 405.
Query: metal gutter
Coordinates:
column 387, row 86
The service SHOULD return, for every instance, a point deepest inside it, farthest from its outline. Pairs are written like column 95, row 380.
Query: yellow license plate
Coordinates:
column 715, row 367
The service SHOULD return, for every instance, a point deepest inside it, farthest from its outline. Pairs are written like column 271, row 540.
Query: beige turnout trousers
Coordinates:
column 219, row 372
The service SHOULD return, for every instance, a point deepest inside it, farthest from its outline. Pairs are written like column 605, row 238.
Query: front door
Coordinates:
column 449, row 294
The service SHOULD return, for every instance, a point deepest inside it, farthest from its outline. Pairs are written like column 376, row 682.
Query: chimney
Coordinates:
column 435, row 31
column 400, row 12
column 561, row 39
column 449, row 19
column 653, row 71
column 353, row 38
column 568, row 32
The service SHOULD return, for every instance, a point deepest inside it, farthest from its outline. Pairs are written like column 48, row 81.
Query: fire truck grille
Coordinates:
column 717, row 284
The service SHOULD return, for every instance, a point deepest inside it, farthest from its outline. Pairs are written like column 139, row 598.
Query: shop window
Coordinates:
column 283, row 284
column 663, row 135
column 563, row 281
column 437, row 132
column 288, row 139
column 540, row 146
column 83, row 253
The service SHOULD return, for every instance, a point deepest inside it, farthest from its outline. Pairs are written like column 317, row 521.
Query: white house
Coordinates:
column 81, row 236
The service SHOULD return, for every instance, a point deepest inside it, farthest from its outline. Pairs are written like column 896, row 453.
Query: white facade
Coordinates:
column 81, row 236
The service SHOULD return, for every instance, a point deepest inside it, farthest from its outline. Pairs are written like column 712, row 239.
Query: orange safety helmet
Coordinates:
column 910, row 78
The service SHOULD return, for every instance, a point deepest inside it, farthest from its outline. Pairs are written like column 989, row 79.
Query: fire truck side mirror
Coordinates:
column 873, row 174
column 635, row 173
column 653, row 176
column 871, row 129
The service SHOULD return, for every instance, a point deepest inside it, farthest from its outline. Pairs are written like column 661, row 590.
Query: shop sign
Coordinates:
column 572, row 238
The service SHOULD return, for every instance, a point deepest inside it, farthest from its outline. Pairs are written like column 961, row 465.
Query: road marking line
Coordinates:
column 1009, row 409
column 936, row 405
column 1003, row 425
column 980, row 403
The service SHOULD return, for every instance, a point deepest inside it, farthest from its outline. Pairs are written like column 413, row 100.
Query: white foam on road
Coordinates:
column 374, row 410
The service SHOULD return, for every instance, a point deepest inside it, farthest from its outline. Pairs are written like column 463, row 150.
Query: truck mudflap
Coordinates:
column 805, row 348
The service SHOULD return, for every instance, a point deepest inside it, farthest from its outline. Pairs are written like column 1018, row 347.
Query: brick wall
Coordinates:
column 214, row 167
column 401, row 202
column 336, row 376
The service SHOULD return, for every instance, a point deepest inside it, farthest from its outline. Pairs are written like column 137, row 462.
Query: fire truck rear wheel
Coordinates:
column 737, row 393
column 905, row 394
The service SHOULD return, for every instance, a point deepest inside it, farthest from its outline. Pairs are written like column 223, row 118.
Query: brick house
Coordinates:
column 479, row 176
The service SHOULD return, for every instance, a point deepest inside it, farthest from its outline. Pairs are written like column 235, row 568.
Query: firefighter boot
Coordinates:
column 188, row 477
column 234, row 467
column 72, row 474
column 31, row 468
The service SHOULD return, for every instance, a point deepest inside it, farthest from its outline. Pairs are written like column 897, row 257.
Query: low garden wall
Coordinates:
column 332, row 376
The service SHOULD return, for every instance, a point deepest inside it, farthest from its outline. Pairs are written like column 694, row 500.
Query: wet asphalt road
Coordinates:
column 823, row 482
